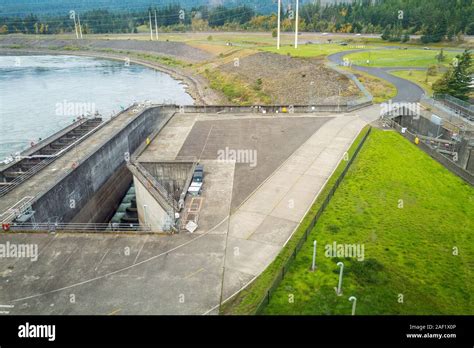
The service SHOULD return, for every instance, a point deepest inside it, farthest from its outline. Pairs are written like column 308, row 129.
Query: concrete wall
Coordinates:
column 463, row 174
column 153, row 215
column 173, row 176
column 106, row 201
column 424, row 126
column 82, row 184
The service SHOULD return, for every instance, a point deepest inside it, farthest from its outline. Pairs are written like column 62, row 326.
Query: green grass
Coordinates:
column 247, row 300
column 380, row 89
column 408, row 250
column 314, row 50
column 419, row 77
column 399, row 58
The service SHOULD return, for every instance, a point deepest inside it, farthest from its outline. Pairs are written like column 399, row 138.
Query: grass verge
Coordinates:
column 312, row 50
column 414, row 219
column 247, row 300
column 380, row 89
column 420, row 78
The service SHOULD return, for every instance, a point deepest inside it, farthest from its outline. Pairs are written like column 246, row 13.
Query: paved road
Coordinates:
column 407, row 91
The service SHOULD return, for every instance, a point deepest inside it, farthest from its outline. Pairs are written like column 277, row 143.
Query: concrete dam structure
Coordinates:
column 82, row 186
column 160, row 197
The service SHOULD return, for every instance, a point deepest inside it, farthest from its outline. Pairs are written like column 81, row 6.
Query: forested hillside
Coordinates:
column 436, row 20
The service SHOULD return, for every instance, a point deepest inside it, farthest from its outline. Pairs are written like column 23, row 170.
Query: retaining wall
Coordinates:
column 69, row 196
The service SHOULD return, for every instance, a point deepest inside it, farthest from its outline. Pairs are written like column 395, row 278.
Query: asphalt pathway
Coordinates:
column 407, row 91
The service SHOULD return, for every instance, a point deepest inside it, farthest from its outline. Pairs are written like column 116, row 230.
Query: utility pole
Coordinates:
column 156, row 27
column 80, row 28
column 151, row 28
column 296, row 24
column 278, row 30
column 73, row 15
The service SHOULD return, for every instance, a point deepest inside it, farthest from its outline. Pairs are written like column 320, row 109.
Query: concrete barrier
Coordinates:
column 71, row 194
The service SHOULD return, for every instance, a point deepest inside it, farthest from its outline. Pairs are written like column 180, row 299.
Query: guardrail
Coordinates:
column 467, row 116
column 74, row 227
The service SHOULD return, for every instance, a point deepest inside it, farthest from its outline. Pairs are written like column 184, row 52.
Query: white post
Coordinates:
column 278, row 30
column 296, row 24
column 151, row 28
column 144, row 214
column 339, row 100
column 313, row 266
column 339, row 285
column 353, row 299
column 156, row 27
column 80, row 28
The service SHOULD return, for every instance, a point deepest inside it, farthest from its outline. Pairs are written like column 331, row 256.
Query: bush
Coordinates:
column 432, row 70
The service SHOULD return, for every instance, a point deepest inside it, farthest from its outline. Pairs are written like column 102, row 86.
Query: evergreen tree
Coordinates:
column 457, row 80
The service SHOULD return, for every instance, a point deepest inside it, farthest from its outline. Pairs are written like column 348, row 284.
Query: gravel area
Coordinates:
column 290, row 80
column 177, row 50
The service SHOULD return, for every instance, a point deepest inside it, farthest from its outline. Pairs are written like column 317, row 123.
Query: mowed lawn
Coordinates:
column 400, row 58
column 312, row 50
column 411, row 214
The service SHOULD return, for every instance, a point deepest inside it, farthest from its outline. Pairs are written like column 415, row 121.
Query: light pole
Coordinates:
column 80, row 28
column 278, row 30
column 73, row 16
column 156, row 27
column 151, row 27
column 296, row 24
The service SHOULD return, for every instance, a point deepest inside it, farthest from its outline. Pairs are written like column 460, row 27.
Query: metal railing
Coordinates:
column 465, row 114
column 48, row 159
column 76, row 227
column 25, row 176
column 456, row 101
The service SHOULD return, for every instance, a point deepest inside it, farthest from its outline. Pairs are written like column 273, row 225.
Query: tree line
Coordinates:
column 396, row 20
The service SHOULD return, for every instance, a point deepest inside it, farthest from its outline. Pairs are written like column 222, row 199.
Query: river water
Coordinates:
column 40, row 95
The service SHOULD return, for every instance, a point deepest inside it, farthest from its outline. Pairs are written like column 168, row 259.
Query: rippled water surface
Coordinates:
column 40, row 95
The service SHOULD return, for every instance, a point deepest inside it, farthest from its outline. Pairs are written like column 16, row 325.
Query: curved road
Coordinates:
column 407, row 91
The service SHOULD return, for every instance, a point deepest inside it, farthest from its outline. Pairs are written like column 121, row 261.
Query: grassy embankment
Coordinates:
column 380, row 89
column 420, row 78
column 412, row 215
